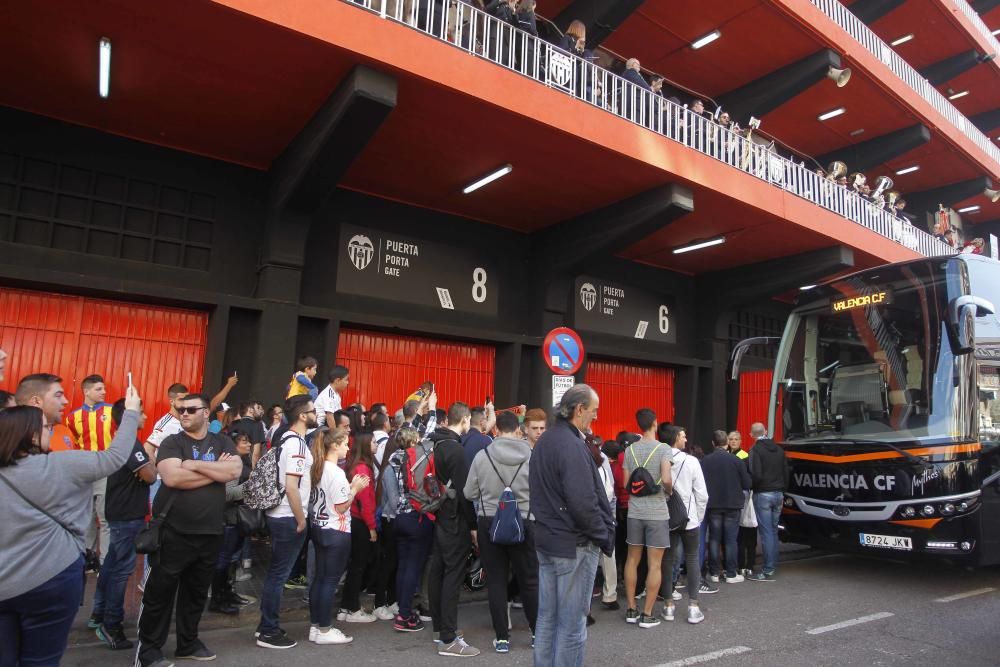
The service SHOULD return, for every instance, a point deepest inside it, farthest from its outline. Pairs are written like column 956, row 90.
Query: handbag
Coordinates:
column 748, row 517
column 676, row 506
column 249, row 521
column 147, row 540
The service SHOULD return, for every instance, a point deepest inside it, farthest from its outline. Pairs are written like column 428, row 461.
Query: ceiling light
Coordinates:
column 901, row 40
column 997, row 31
column 698, row 245
column 858, row 131
column 955, row 96
column 968, row 209
column 807, row 287
column 833, row 113
column 908, row 170
column 489, row 178
column 707, row 39
column 104, row 77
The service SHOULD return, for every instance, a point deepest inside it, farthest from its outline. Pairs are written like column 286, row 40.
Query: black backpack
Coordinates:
column 640, row 482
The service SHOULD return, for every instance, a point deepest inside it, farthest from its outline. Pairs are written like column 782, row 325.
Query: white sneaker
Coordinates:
column 738, row 579
column 243, row 574
column 313, row 631
column 384, row 613
column 359, row 616
column 342, row 615
column 714, row 578
column 676, row 595
column 246, row 563
column 333, row 636
column 394, row 607
column 695, row 615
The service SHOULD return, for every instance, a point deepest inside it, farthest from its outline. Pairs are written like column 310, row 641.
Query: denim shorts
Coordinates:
column 648, row 532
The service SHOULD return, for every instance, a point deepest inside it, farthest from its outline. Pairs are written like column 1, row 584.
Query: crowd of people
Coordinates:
column 378, row 501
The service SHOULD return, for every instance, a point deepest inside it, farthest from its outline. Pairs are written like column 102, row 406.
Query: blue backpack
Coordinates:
column 507, row 526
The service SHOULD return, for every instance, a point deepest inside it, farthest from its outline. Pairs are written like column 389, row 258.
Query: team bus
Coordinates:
column 887, row 390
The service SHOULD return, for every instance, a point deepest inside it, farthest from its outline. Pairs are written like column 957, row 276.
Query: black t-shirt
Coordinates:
column 252, row 428
column 194, row 511
column 127, row 496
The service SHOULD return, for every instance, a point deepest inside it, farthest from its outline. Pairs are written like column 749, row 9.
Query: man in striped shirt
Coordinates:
column 167, row 425
column 91, row 425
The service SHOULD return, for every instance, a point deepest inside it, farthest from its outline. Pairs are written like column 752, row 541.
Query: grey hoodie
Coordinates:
column 507, row 454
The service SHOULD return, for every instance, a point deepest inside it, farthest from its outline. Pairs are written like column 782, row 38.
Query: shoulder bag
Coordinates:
column 147, row 540
column 676, row 506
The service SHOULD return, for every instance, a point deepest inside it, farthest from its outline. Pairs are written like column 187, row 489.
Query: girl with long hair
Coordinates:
column 360, row 462
column 330, row 530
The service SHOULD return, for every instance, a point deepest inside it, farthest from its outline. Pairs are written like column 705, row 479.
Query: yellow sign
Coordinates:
column 859, row 301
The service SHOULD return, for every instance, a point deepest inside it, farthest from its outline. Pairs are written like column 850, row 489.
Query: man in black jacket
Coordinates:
column 454, row 532
column 769, row 471
column 727, row 480
column 573, row 525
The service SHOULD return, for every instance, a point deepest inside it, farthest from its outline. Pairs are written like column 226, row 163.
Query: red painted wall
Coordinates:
column 755, row 394
column 386, row 368
column 623, row 388
column 73, row 337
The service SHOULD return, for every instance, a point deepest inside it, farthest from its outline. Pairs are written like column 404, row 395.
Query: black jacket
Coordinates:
column 567, row 495
column 768, row 466
column 449, row 463
column 726, row 478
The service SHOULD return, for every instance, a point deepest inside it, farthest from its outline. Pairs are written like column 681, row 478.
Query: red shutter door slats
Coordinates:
column 755, row 395
column 386, row 368
column 74, row 336
column 623, row 388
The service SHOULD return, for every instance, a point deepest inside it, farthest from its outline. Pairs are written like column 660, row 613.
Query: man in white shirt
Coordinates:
column 287, row 520
column 380, row 437
column 329, row 399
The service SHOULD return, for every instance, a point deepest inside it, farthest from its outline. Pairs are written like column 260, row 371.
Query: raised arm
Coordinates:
column 223, row 393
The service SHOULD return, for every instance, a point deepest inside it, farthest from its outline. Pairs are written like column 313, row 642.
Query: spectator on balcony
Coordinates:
column 525, row 16
column 696, row 122
column 575, row 42
column 500, row 33
column 524, row 46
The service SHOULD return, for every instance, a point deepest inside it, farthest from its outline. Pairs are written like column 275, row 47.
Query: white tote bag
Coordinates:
column 748, row 517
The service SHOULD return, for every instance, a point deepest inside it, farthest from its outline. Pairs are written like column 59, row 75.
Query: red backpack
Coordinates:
column 424, row 490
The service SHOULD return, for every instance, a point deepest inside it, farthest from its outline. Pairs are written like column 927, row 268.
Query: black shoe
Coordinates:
column 239, row 600
column 200, row 653
column 590, row 620
column 95, row 621
column 611, row 606
column 223, row 607
column 278, row 641
column 113, row 637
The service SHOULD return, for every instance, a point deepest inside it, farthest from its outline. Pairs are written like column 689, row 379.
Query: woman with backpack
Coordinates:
column 363, row 534
column 414, row 531
column 330, row 530
column 498, row 479
column 386, row 606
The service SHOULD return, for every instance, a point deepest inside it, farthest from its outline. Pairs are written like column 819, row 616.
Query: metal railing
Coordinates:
column 856, row 28
column 981, row 27
column 485, row 36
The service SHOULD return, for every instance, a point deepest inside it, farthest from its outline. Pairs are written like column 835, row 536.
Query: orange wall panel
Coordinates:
column 74, row 337
column 755, row 395
column 623, row 388
column 386, row 368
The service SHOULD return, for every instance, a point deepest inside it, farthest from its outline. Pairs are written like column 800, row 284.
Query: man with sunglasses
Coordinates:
column 194, row 466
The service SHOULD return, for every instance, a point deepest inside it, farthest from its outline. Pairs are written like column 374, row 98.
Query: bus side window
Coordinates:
column 989, row 404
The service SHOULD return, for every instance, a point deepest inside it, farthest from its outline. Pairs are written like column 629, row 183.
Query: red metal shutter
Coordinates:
column 386, row 368
column 74, row 337
column 755, row 395
column 623, row 388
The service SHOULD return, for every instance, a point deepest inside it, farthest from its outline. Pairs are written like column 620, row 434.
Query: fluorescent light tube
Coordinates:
column 908, row 170
column 901, row 40
column 957, row 95
column 833, row 113
column 968, row 209
column 698, row 245
column 489, row 178
column 104, row 74
column 705, row 40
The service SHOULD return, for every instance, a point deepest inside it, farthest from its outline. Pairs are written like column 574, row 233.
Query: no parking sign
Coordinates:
column 563, row 351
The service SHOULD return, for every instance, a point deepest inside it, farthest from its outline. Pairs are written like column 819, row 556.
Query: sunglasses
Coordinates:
column 190, row 410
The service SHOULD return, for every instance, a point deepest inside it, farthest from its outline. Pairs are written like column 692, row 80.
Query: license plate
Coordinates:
column 886, row 541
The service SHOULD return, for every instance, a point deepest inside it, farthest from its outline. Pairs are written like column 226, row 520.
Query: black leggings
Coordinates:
column 688, row 539
column 361, row 546
column 746, row 548
column 385, row 572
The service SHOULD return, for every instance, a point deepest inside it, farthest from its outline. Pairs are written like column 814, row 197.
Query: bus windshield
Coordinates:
column 871, row 360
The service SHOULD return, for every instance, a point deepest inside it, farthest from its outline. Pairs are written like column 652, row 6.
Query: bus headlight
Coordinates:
column 927, row 510
column 789, row 502
column 908, row 511
column 947, row 509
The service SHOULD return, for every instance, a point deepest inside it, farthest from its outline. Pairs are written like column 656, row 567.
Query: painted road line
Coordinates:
column 967, row 594
column 707, row 657
column 849, row 623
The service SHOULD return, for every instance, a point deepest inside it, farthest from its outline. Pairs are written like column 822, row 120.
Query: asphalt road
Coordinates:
column 826, row 610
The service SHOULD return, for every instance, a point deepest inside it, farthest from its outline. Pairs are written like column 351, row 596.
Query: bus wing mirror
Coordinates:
column 741, row 348
column 962, row 312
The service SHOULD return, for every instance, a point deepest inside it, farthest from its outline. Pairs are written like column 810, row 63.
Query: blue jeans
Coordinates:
column 34, row 626
column 232, row 545
column 285, row 547
column 333, row 548
column 767, row 505
column 414, row 536
column 724, row 526
column 564, row 588
column 119, row 563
